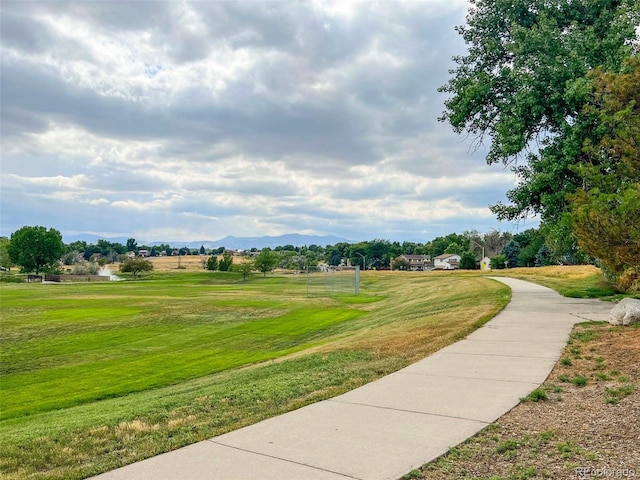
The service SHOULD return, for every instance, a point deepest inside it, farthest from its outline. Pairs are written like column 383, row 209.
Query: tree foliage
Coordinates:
column 5, row 260
column 136, row 266
column 400, row 264
column 132, row 245
column 523, row 83
column 212, row 263
column 439, row 245
column 499, row 262
column 468, row 261
column 245, row 267
column 454, row 248
column 606, row 212
column 511, row 253
column 495, row 241
column 36, row 249
column 530, row 242
column 224, row 264
column 266, row 261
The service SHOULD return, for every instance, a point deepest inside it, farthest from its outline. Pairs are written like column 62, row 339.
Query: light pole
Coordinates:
column 481, row 246
column 364, row 260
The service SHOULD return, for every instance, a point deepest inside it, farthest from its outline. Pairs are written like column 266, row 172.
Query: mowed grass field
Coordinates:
column 96, row 376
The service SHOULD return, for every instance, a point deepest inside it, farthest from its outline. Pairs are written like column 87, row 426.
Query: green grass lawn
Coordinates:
column 95, row 376
column 64, row 345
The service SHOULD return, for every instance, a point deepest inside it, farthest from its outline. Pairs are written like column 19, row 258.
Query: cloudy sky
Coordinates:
column 182, row 121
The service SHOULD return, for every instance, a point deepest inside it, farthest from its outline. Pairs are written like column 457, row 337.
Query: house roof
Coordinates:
column 444, row 256
column 416, row 257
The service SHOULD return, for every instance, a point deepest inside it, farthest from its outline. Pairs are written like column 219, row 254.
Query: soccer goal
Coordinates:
column 329, row 280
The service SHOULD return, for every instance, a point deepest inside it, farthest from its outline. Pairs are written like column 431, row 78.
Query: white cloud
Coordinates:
column 204, row 119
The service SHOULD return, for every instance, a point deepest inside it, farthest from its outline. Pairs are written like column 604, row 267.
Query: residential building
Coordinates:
column 418, row 263
column 447, row 261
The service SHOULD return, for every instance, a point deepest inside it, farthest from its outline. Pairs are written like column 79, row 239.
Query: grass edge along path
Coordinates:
column 565, row 428
column 419, row 315
column 522, row 444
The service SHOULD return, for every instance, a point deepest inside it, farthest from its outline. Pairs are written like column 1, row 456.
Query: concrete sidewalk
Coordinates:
column 389, row 427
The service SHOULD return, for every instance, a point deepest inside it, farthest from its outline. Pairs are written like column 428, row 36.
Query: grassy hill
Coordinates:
column 95, row 376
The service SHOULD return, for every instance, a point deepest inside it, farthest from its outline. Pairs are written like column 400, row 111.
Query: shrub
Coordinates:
column 468, row 261
column 498, row 262
column 212, row 263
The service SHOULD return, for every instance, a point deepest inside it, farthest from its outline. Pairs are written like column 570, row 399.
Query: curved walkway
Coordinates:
column 389, row 427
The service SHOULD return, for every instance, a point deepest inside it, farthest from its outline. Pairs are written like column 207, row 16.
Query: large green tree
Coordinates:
column 36, row 249
column 523, row 83
column 606, row 209
column 266, row 261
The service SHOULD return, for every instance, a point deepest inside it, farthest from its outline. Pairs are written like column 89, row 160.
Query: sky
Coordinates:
column 184, row 121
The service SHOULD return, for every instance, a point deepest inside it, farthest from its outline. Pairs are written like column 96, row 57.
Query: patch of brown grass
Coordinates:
column 187, row 263
column 569, row 272
column 577, row 427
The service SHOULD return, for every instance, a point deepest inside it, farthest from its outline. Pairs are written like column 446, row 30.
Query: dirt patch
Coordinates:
column 188, row 263
column 587, row 427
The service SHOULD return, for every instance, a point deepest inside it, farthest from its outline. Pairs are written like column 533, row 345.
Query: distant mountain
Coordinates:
column 245, row 243
column 93, row 239
column 230, row 242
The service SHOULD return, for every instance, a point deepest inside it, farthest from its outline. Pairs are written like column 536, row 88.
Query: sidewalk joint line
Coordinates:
column 469, row 378
column 409, row 411
column 495, row 355
column 212, row 440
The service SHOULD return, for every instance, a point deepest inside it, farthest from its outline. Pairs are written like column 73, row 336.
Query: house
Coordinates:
column 418, row 263
column 485, row 264
column 447, row 261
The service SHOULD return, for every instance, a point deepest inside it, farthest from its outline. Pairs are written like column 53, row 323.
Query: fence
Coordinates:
column 322, row 281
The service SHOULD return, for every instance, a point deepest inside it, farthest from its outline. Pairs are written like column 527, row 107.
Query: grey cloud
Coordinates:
column 109, row 15
column 332, row 125
column 16, row 120
column 23, row 32
column 316, row 93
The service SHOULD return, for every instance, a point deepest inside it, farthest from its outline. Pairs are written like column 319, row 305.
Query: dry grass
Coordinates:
column 574, row 272
column 187, row 263
column 594, row 425
column 571, row 281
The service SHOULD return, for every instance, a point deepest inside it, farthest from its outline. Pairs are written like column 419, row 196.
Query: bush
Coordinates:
column 85, row 268
column 498, row 262
column 468, row 261
column 629, row 281
column 400, row 264
column 224, row 265
column 212, row 263
column 10, row 278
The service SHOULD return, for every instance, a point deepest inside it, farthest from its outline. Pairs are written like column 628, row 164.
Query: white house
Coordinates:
column 485, row 264
column 446, row 261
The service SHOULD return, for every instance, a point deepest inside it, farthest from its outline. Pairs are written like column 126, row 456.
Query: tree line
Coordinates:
column 41, row 250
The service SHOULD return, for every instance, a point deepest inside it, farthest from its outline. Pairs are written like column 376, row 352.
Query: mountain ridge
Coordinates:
column 230, row 242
